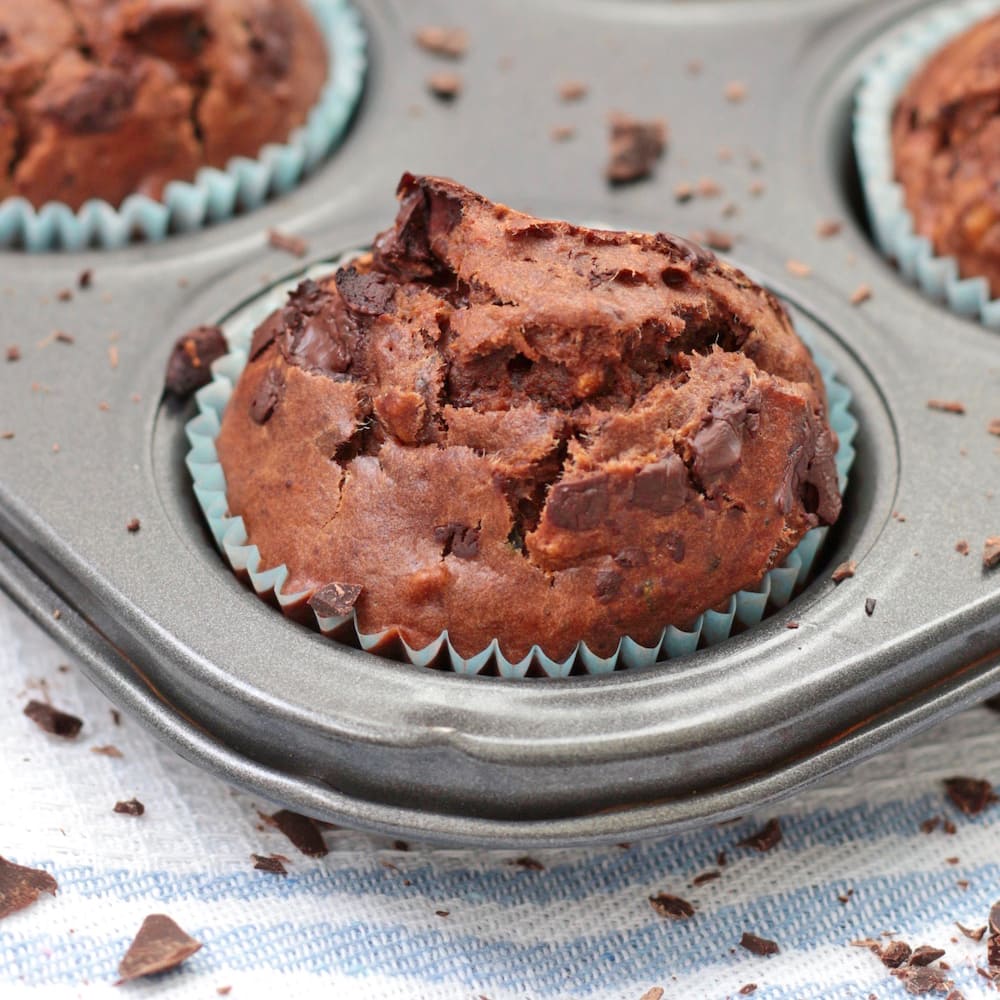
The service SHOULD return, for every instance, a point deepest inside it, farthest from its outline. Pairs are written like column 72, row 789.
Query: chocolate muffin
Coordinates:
column 945, row 138
column 107, row 98
column 526, row 430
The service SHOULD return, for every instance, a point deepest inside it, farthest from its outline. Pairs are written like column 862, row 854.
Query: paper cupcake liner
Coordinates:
column 746, row 608
column 906, row 50
column 214, row 195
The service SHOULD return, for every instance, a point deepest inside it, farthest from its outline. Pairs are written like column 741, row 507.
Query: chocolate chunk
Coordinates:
column 661, row 487
column 440, row 41
column 765, row 838
column 925, row 954
column 870, row 606
column 672, row 907
column 674, row 543
column 970, row 795
column 991, row 552
column 97, row 104
column 335, row 599
column 371, row 294
column 20, row 886
column 975, row 933
column 269, row 863
column 268, row 395
column 717, row 447
column 579, row 505
column 301, row 830
column 265, row 334
column 271, row 43
column 946, row 405
column 758, row 945
column 634, row 148
column 459, row 540
column 133, row 526
column 608, row 585
column 445, row 86
column 921, row 980
column 844, row 571
column 52, row 720
column 631, row 558
column 687, row 251
column 994, row 920
column 133, row 807
column 294, row 245
column 160, row 945
column 188, row 367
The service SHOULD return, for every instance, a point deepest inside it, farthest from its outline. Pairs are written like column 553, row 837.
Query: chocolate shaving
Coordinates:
column 20, row 886
column 946, row 405
column 970, row 795
column 188, row 367
column 335, row 600
column 975, row 933
column 52, row 720
column 925, row 954
column 634, row 147
column 294, row 245
column 133, row 807
column 528, row 864
column 672, row 907
column 302, row 831
column 758, row 945
column 765, row 838
column 159, row 946
column 709, row 876
column 269, row 863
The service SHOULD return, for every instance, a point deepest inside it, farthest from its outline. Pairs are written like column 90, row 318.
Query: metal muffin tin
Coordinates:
column 169, row 634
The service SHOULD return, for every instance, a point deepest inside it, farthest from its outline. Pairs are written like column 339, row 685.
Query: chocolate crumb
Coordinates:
column 758, row 945
column 52, row 720
column 452, row 43
column 188, row 367
column 798, row 268
column 109, row 750
column 925, row 954
column 969, row 795
column 445, row 86
column 991, row 552
column 946, row 405
column 64, row 338
column 116, row 716
column 133, row 526
column 442, row 913
column 562, row 133
column 708, row 188
column 528, row 864
column 160, row 945
column 694, row 66
column 400, row 845
column 949, row 827
column 826, row 228
column 133, row 807
column 721, row 860
column 572, row 90
column 21, row 886
column 717, row 239
column 861, row 294
column 870, row 606
column 13, row 353
column 844, row 571
column 335, row 600
column 930, row 825
column 736, row 91
column 269, row 863
column 670, row 906
column 65, row 294
column 765, row 838
column 634, row 147
column 223, row 991
column 993, row 427
column 709, row 876
column 683, row 192
column 792, row 624
column 294, row 245
column 6, row 435
column 749, row 988
column 301, row 830
column 962, row 547
column 975, row 933
column 756, row 188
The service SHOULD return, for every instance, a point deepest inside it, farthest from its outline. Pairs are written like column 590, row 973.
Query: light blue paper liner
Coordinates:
column 214, row 195
column 905, row 51
column 746, row 608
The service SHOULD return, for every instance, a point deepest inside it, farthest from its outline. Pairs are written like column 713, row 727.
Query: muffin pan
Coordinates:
column 164, row 628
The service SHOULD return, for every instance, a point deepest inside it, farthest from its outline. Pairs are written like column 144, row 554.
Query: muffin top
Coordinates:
column 945, row 140
column 527, row 430
column 106, row 98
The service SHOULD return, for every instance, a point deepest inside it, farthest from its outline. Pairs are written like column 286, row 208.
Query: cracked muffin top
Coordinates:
column 945, row 140
column 107, row 98
column 526, row 430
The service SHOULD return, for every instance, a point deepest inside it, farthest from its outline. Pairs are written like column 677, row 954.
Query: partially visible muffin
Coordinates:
column 946, row 150
column 527, row 430
column 106, row 98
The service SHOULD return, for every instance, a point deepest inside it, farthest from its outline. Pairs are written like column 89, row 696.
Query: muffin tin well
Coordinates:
column 161, row 624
